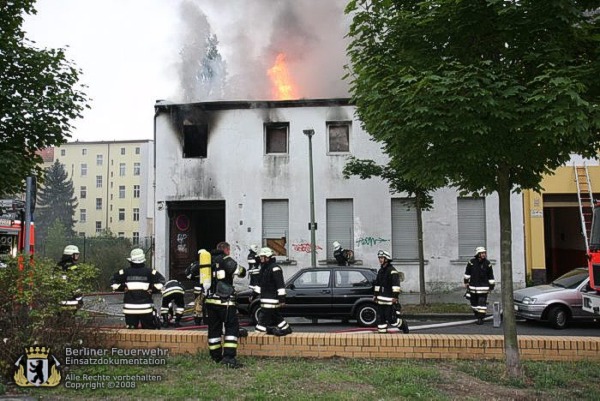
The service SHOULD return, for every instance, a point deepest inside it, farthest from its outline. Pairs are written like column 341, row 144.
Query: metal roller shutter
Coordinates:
column 340, row 224
column 471, row 226
column 405, row 244
column 275, row 225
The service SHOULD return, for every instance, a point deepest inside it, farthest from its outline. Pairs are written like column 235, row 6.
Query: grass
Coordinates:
column 290, row 379
column 436, row 308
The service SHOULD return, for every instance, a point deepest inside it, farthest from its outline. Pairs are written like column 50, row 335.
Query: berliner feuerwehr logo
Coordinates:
column 37, row 368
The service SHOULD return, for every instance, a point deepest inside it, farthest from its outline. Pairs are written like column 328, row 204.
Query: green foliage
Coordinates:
column 56, row 241
column 108, row 254
column 38, row 98
column 30, row 307
column 57, row 203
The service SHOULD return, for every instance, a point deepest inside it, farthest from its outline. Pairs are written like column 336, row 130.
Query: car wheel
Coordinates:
column 558, row 317
column 366, row 315
column 255, row 313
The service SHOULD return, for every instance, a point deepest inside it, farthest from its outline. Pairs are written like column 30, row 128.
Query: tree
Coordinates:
column 422, row 200
column 38, row 98
column 490, row 94
column 56, row 202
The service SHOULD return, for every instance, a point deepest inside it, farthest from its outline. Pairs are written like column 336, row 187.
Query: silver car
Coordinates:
column 557, row 303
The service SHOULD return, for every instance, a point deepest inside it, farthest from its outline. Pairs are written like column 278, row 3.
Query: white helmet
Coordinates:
column 336, row 245
column 267, row 252
column 384, row 254
column 479, row 250
column 254, row 248
column 137, row 256
column 70, row 250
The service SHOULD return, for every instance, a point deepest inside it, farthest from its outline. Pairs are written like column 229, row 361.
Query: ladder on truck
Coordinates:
column 586, row 201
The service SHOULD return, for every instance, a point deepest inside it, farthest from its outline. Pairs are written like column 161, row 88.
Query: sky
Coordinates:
column 135, row 52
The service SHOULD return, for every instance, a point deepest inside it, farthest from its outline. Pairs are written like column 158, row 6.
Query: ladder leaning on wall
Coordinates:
column 585, row 197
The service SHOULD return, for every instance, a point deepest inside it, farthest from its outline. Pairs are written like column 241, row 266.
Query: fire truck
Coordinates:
column 12, row 230
column 591, row 298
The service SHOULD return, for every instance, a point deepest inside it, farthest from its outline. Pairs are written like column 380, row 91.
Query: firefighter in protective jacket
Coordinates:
column 479, row 280
column 253, row 267
column 68, row 266
column 387, row 289
column 172, row 292
column 139, row 283
column 271, row 290
column 221, row 307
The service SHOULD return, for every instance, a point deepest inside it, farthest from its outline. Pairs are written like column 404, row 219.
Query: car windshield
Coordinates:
column 571, row 279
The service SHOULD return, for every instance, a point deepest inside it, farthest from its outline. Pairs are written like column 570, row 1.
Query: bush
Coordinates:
column 30, row 310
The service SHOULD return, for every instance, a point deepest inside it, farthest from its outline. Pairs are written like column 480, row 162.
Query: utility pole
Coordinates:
column 313, row 226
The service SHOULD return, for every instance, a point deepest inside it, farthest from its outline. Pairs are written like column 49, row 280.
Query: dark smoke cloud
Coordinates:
column 252, row 32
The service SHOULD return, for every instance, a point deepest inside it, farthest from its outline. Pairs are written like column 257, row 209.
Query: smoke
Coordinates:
column 311, row 33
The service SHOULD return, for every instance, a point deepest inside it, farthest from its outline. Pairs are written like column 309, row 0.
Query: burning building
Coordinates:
column 239, row 171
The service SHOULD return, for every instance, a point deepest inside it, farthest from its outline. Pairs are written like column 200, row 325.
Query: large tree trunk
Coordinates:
column 419, row 206
column 511, row 344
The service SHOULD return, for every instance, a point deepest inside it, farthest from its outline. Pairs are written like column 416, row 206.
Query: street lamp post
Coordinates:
column 313, row 247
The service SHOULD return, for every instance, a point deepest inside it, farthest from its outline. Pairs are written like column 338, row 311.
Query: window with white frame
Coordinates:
column 121, row 234
column 122, row 169
column 98, row 227
column 84, row 152
column 99, row 160
column 136, row 168
column 338, row 137
column 82, row 215
column 121, row 214
column 98, row 203
column 276, row 138
column 121, row 191
column 98, row 181
column 63, row 152
column 82, row 192
column 137, row 150
column 136, row 214
column 136, row 191
column 405, row 233
column 275, row 225
column 83, row 169
column 122, row 151
column 471, row 226
column 136, row 238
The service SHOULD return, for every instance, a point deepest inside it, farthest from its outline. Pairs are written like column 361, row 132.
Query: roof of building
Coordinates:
column 254, row 104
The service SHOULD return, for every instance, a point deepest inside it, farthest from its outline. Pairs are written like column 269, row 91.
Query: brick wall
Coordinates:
column 372, row 345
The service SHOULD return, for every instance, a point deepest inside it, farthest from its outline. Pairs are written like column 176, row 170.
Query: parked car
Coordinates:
column 337, row 292
column 557, row 303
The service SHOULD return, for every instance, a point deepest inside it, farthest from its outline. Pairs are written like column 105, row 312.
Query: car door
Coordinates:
column 350, row 285
column 309, row 294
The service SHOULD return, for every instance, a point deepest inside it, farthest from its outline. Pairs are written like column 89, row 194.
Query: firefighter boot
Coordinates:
column 479, row 320
column 404, row 326
column 177, row 321
column 282, row 332
column 231, row 362
column 165, row 322
column 198, row 320
column 242, row 332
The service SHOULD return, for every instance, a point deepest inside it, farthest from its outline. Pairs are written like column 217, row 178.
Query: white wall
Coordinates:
column 238, row 171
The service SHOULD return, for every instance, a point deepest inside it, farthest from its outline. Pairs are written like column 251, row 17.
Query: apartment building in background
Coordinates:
column 112, row 181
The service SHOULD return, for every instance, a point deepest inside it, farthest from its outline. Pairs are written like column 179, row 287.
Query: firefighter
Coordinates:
column 341, row 255
column 253, row 267
column 387, row 289
column 479, row 280
column 172, row 292
column 139, row 283
column 221, row 308
column 68, row 267
column 271, row 290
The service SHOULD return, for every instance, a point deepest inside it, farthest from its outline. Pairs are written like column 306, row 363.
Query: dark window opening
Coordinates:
column 276, row 138
column 195, row 141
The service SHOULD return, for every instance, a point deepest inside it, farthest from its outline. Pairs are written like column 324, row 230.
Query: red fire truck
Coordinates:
column 12, row 230
column 591, row 298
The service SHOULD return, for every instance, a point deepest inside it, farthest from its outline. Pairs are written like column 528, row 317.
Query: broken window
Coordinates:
column 338, row 136
column 195, row 141
column 276, row 137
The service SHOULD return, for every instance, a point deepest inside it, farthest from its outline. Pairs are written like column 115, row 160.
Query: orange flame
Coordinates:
column 283, row 87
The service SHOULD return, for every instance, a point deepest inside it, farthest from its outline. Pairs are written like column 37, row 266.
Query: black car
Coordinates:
column 337, row 292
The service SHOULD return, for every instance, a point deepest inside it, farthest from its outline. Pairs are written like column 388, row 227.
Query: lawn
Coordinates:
column 197, row 377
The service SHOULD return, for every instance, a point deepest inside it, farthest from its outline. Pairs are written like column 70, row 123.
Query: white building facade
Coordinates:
column 239, row 171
